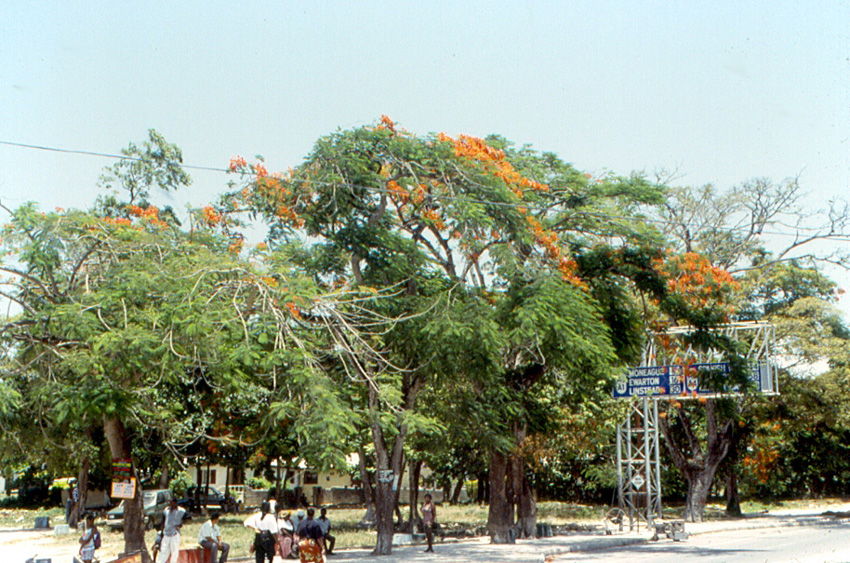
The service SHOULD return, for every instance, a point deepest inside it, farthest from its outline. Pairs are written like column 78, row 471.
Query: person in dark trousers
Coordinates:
column 209, row 537
column 429, row 518
column 265, row 526
column 325, row 524
column 311, row 539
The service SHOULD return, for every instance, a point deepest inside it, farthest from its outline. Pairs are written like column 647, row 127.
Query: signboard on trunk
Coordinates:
column 123, row 489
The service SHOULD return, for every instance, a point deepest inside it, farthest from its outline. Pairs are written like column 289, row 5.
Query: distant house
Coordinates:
column 317, row 486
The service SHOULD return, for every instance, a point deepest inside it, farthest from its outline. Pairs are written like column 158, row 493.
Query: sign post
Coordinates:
column 677, row 373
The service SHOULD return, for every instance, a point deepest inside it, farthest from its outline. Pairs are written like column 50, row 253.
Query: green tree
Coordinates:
column 481, row 239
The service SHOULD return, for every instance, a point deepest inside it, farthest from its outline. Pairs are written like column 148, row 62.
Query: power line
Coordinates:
column 108, row 155
column 838, row 237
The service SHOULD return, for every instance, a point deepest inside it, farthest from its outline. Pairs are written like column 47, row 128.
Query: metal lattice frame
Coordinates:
column 638, row 451
column 638, row 465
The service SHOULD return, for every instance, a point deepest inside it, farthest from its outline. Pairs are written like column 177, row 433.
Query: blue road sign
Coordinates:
column 677, row 381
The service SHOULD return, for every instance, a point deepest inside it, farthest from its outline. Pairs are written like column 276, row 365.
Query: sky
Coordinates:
column 719, row 92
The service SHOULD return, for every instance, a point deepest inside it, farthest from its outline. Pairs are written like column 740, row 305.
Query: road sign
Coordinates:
column 688, row 381
column 638, row 481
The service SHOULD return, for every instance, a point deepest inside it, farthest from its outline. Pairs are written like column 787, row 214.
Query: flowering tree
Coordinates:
column 483, row 244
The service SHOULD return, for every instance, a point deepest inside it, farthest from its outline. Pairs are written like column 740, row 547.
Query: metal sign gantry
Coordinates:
column 638, row 442
column 638, row 465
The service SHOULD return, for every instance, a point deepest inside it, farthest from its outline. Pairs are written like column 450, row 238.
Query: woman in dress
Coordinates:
column 285, row 539
column 429, row 518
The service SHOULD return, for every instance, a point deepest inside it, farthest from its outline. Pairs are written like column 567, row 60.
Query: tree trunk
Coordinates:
column 697, row 464
column 526, row 508
column 367, row 490
column 83, row 483
column 388, row 465
column 482, row 494
column 733, row 499
column 500, row 518
column 415, row 522
column 134, row 523
column 397, row 489
column 699, row 485
column 384, row 504
column 164, row 476
column 458, row 489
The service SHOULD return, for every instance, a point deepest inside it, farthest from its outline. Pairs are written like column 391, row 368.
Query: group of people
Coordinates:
column 309, row 538
column 166, row 548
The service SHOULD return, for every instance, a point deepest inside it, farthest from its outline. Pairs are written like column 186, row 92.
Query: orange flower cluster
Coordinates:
column 236, row 246
column 293, row 309
column 549, row 241
column 387, row 123
column 493, row 159
column 270, row 187
column 764, row 451
column 211, row 216
column 237, row 163
column 434, row 217
column 694, row 277
column 117, row 221
column 286, row 212
column 150, row 214
column 396, row 192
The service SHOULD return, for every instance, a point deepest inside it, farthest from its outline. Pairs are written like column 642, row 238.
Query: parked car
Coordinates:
column 198, row 498
column 154, row 502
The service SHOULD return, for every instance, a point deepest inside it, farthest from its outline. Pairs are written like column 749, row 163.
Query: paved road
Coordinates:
column 824, row 542
column 793, row 535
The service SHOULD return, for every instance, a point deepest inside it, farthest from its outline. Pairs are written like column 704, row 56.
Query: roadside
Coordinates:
column 18, row 545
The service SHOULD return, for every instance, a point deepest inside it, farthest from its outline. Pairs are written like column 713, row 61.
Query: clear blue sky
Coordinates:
column 720, row 91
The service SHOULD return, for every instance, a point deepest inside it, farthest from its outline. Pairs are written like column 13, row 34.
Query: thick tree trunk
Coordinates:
column 500, row 518
column 733, row 499
column 134, row 523
column 697, row 464
column 482, row 495
column 414, row 522
column 526, row 508
column 699, row 485
column 384, row 504
column 388, row 465
column 458, row 489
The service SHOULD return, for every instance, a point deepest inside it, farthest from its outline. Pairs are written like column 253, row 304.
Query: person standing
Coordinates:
column 90, row 540
column 429, row 518
column 71, row 505
column 172, row 522
column 286, row 538
column 311, row 542
column 209, row 537
column 325, row 524
column 266, row 531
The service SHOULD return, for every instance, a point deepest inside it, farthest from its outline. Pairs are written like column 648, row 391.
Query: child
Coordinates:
column 90, row 540
column 157, row 543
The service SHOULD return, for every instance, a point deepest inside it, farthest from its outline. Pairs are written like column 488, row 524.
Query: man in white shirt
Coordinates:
column 172, row 522
column 210, row 538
